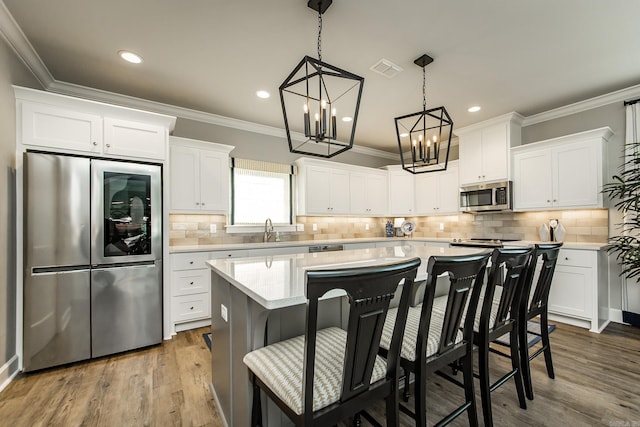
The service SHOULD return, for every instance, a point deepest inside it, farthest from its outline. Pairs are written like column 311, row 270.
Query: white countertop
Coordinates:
column 400, row 240
column 278, row 281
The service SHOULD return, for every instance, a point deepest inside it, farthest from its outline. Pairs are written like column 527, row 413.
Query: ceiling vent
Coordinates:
column 386, row 68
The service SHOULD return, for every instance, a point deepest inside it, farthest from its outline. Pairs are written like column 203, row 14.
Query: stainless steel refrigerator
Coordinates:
column 92, row 258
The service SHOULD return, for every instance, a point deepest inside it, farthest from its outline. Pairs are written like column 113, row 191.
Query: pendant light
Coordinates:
column 424, row 138
column 320, row 102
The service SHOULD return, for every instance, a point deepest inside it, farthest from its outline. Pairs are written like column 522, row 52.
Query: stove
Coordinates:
column 480, row 242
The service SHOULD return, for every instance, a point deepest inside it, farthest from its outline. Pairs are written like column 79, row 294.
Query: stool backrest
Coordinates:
column 466, row 274
column 509, row 269
column 369, row 291
column 536, row 296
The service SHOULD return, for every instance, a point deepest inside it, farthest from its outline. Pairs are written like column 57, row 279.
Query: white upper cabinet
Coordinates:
column 66, row 124
column 484, row 149
column 438, row 193
column 401, row 191
column 368, row 192
column 560, row 173
column 331, row 188
column 199, row 176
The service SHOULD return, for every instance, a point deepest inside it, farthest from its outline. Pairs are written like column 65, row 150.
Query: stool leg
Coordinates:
column 407, row 391
column 516, row 365
column 467, row 372
column 485, row 392
column 256, row 407
column 523, row 345
column 544, row 329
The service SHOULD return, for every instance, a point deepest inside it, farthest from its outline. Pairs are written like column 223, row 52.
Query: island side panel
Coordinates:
column 221, row 347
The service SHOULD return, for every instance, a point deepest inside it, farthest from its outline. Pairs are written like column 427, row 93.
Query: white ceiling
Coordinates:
column 213, row 55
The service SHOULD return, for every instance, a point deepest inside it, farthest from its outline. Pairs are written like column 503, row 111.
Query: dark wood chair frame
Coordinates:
column 538, row 293
column 466, row 274
column 509, row 269
column 369, row 291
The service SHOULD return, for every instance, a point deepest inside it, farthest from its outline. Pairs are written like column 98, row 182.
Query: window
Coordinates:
column 261, row 190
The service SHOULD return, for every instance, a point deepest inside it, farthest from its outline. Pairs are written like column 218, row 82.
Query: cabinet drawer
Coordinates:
column 577, row 258
column 189, row 261
column 191, row 307
column 190, row 281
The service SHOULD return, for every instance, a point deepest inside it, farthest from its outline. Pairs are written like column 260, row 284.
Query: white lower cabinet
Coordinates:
column 190, row 290
column 579, row 291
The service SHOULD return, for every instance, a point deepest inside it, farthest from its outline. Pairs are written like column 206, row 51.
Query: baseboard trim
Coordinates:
column 8, row 371
column 615, row 315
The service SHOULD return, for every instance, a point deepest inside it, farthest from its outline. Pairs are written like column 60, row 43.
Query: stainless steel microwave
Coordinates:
column 490, row 197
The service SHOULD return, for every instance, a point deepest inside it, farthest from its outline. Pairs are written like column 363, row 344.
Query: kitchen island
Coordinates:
column 257, row 301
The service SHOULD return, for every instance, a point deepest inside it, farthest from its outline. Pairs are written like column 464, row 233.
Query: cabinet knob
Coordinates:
column 108, row 145
column 202, row 204
column 191, row 283
column 566, row 258
column 198, row 203
column 95, row 143
column 554, row 200
column 548, row 201
column 191, row 262
column 191, row 308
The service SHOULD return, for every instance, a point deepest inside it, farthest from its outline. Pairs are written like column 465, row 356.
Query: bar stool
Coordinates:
column 497, row 316
column 326, row 375
column 435, row 336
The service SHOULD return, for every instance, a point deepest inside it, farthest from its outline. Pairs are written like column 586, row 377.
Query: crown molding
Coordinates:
column 13, row 35
column 588, row 104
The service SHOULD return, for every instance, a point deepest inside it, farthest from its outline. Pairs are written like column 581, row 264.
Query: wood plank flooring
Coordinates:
column 597, row 383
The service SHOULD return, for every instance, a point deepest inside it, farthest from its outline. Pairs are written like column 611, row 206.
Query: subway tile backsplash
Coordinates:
column 581, row 226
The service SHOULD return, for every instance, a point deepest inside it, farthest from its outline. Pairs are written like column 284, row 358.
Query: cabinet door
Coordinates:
column 426, row 193
column 377, row 194
column 214, row 181
column 495, row 153
column 358, row 194
column 449, row 192
column 401, row 194
column 133, row 139
column 185, row 179
column 367, row 194
column 576, row 179
column 471, row 158
column 572, row 291
column 318, row 191
column 52, row 127
column 532, row 180
column 339, row 192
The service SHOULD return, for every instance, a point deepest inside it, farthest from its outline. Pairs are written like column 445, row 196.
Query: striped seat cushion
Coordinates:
column 411, row 329
column 280, row 367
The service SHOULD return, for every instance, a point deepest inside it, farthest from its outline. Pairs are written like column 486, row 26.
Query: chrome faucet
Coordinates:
column 268, row 230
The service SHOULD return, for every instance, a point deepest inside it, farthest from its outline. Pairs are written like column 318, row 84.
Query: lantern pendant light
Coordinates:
column 320, row 102
column 424, row 138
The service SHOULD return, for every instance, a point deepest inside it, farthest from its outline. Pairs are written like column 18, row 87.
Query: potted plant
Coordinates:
column 625, row 190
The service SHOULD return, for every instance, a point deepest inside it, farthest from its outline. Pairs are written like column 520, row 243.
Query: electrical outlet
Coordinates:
column 366, row 226
column 442, row 226
column 315, row 227
column 300, row 227
column 223, row 313
column 213, row 228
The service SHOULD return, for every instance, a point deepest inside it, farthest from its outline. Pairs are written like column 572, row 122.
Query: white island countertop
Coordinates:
column 278, row 281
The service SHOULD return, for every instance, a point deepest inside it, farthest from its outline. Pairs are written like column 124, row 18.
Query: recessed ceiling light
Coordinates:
column 347, row 119
column 474, row 109
column 263, row 94
column 130, row 56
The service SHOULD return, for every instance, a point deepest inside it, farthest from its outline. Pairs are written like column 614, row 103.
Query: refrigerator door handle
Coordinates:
column 35, row 271
column 107, row 267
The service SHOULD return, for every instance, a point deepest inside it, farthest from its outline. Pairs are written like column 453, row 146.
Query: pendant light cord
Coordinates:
column 319, row 36
column 424, row 89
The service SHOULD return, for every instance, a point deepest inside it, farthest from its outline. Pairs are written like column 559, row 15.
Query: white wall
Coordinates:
column 12, row 71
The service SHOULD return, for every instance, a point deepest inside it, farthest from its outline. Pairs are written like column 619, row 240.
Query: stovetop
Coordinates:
column 480, row 242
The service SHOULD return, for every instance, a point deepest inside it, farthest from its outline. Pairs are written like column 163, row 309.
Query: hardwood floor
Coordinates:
column 597, row 383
